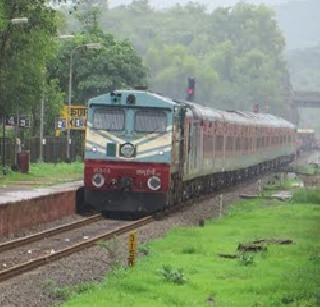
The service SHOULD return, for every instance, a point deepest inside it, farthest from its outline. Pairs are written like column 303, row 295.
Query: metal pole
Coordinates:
column 41, row 128
column 89, row 46
column 69, row 109
column 4, row 170
column 17, row 143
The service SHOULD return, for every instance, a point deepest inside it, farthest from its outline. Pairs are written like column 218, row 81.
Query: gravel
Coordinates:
column 42, row 227
column 42, row 287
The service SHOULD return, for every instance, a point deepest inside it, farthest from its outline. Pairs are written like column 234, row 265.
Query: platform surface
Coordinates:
column 14, row 194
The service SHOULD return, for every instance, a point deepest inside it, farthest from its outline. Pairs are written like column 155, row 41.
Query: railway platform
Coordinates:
column 23, row 208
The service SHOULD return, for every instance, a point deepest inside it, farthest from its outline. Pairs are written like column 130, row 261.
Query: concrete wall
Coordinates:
column 26, row 214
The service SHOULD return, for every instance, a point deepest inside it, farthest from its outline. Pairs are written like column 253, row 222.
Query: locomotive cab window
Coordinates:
column 109, row 119
column 150, row 121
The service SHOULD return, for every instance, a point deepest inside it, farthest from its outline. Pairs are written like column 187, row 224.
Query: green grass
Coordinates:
column 43, row 174
column 282, row 275
column 306, row 196
column 309, row 169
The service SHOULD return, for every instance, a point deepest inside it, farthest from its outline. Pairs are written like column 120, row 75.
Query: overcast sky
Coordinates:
column 210, row 3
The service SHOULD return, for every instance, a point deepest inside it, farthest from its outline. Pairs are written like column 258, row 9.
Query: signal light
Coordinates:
column 191, row 89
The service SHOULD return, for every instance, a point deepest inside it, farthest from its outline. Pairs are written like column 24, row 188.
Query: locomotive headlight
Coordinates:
column 154, row 183
column 98, row 180
column 127, row 150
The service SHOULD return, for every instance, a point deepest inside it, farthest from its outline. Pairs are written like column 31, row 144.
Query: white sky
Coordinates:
column 209, row 3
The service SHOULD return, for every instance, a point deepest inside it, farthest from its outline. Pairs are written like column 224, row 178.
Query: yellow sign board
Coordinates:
column 73, row 118
column 132, row 248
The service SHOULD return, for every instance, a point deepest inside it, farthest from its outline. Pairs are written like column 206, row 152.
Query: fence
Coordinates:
column 54, row 149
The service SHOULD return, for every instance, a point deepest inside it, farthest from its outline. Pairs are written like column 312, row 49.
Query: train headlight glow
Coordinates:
column 154, row 183
column 98, row 180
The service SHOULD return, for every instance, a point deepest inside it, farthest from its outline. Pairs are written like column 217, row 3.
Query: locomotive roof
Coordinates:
column 143, row 99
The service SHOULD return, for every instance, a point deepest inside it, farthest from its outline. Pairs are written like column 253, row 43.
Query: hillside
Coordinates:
column 304, row 67
column 298, row 19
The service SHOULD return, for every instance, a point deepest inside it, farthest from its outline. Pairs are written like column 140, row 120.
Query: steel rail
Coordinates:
column 41, row 261
column 48, row 233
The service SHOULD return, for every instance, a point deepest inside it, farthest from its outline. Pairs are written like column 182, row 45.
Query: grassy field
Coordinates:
column 183, row 269
column 42, row 174
column 309, row 169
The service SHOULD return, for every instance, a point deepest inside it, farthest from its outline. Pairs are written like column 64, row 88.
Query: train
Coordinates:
column 306, row 140
column 145, row 152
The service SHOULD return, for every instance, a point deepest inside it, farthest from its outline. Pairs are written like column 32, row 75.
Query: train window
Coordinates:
column 237, row 143
column 150, row 121
column 109, row 119
column 229, row 144
column 219, row 143
column 246, row 144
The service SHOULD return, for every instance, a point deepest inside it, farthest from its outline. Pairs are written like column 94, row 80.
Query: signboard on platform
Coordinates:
column 21, row 121
column 73, row 118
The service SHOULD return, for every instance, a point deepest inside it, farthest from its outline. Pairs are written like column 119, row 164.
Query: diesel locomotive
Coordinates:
column 145, row 152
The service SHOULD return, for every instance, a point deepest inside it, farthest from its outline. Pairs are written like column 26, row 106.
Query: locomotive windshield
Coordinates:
column 109, row 119
column 149, row 121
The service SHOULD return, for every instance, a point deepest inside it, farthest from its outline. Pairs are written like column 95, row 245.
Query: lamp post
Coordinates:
column 63, row 36
column 14, row 21
column 88, row 46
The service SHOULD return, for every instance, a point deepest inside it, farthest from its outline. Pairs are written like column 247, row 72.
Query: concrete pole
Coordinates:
column 4, row 169
column 69, row 109
column 41, row 128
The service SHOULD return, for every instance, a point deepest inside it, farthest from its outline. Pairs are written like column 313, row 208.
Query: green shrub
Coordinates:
column 189, row 250
column 307, row 196
column 246, row 259
column 173, row 275
column 144, row 250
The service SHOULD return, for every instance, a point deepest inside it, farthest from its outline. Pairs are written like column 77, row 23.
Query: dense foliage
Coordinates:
column 24, row 50
column 34, row 62
column 235, row 54
column 114, row 65
column 305, row 68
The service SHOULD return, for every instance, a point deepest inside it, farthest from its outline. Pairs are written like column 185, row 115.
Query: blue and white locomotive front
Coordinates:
column 128, row 151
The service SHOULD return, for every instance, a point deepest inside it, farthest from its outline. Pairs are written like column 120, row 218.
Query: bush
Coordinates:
column 246, row 259
column 144, row 250
column 173, row 275
column 189, row 250
column 307, row 196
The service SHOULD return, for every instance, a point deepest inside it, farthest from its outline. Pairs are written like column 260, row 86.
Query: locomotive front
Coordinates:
column 128, row 152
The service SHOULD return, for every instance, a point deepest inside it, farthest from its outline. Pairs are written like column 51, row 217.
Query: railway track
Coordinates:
column 36, row 262
column 48, row 233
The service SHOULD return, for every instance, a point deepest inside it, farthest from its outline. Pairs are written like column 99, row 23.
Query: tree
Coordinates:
column 116, row 65
column 24, row 50
column 236, row 54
